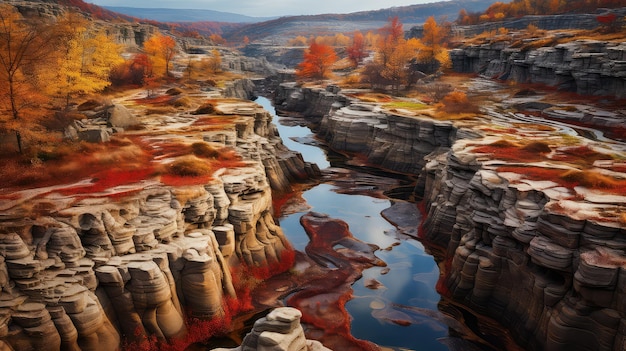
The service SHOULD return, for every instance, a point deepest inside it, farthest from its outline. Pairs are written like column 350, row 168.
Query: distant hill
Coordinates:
column 279, row 29
column 185, row 15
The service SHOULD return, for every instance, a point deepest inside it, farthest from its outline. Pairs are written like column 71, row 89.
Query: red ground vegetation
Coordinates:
column 571, row 178
column 509, row 151
column 579, row 155
column 285, row 262
column 109, row 178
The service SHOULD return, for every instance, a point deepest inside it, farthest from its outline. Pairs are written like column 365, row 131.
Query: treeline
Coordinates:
column 518, row 8
column 396, row 62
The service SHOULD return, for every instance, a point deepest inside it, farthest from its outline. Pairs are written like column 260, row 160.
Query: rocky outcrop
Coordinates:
column 102, row 122
column 310, row 102
column 280, row 330
column 138, row 261
column 241, row 89
column 387, row 140
column 544, row 266
column 544, row 259
column 587, row 67
column 546, row 22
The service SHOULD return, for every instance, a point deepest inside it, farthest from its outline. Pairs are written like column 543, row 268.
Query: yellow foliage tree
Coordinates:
column 215, row 61
column 433, row 51
column 160, row 49
column 85, row 60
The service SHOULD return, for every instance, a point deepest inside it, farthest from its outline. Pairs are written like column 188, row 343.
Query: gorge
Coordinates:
column 525, row 249
column 185, row 213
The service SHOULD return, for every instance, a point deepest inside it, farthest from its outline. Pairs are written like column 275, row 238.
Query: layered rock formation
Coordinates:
column 588, row 67
column 280, row 330
column 540, row 254
column 139, row 260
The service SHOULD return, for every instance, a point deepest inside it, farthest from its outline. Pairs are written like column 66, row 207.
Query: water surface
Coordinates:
column 409, row 278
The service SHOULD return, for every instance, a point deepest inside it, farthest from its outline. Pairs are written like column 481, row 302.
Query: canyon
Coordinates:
column 520, row 202
column 543, row 256
column 519, row 234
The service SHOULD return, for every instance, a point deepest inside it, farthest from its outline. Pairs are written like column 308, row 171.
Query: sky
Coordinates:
column 267, row 8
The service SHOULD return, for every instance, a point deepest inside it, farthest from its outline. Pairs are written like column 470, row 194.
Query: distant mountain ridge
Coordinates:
column 185, row 15
column 278, row 29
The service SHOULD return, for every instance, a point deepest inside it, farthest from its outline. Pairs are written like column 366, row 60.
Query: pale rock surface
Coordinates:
column 280, row 330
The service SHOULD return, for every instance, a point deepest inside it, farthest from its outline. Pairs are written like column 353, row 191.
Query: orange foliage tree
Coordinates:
column 356, row 51
column 317, row 62
column 161, row 49
column 433, row 54
column 393, row 54
column 25, row 50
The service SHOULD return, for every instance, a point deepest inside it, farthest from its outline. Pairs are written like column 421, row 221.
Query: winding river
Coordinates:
column 405, row 289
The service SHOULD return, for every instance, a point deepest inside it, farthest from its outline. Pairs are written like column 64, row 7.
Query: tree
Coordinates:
column 317, row 61
column 392, row 33
column 396, row 69
column 356, row 51
column 85, row 61
column 217, row 39
column 215, row 61
column 433, row 54
column 161, row 49
column 393, row 54
column 24, row 51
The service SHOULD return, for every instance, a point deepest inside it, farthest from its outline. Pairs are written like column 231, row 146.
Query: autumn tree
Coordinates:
column 215, row 61
column 85, row 60
column 132, row 71
column 393, row 54
column 356, row 51
column 317, row 62
column 217, row 39
column 161, row 49
column 24, row 50
column 433, row 54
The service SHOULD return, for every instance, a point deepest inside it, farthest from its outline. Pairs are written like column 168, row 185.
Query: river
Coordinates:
column 407, row 290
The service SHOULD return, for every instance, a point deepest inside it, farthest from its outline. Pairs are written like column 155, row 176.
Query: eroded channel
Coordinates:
column 396, row 305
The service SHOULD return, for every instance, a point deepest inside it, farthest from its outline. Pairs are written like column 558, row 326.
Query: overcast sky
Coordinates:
column 267, row 8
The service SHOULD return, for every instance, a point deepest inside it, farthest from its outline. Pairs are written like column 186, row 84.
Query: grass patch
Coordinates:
column 406, row 105
column 189, row 166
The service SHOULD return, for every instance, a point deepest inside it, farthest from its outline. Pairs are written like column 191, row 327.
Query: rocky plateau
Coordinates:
column 92, row 270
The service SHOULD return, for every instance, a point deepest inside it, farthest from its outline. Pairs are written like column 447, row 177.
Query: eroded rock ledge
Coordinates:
column 587, row 67
column 546, row 259
column 139, row 261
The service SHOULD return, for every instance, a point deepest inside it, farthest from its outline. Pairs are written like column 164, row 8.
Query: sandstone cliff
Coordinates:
column 544, row 257
column 137, row 262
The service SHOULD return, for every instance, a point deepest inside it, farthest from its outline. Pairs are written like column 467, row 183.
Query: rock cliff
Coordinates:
column 137, row 262
column 587, row 67
column 524, row 239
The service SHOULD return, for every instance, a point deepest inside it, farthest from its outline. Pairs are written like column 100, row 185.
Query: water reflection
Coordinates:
column 313, row 154
column 401, row 313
